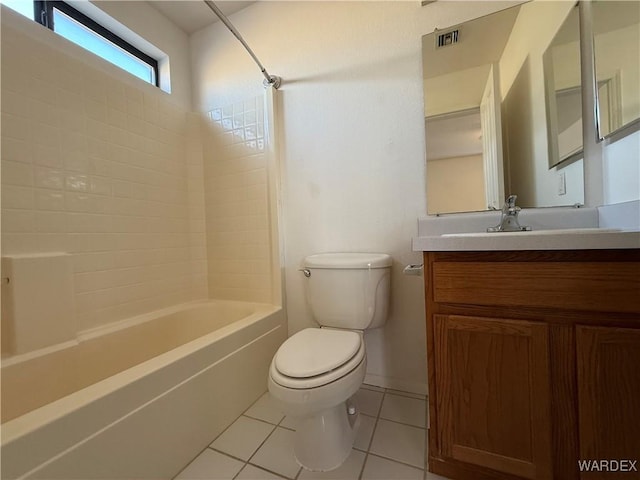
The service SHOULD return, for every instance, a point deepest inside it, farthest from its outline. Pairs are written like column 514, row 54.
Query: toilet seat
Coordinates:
column 314, row 357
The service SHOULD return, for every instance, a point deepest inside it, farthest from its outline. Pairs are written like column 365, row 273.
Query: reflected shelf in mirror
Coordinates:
column 616, row 40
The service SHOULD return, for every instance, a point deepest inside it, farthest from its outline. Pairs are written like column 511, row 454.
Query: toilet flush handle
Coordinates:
column 306, row 271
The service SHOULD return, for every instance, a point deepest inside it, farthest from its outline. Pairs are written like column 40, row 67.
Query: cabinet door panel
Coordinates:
column 609, row 396
column 493, row 393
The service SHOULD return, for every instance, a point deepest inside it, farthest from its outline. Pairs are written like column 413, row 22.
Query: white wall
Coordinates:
column 622, row 170
column 456, row 185
column 455, row 91
column 352, row 135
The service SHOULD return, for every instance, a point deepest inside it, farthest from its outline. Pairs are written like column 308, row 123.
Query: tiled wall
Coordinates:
column 236, row 200
column 196, row 202
column 105, row 168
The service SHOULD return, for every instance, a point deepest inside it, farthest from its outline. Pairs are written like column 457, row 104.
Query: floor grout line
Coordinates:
column 402, row 423
column 392, row 391
column 261, row 444
column 191, row 461
column 426, row 441
column 373, row 433
column 261, row 419
column 246, row 462
column 414, row 396
column 272, row 472
column 367, row 452
column 394, row 460
column 227, row 454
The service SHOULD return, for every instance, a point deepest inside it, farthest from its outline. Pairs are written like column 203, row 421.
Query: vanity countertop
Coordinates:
column 601, row 228
column 541, row 240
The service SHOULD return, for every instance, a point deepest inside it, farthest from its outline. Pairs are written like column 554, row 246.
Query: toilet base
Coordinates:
column 324, row 441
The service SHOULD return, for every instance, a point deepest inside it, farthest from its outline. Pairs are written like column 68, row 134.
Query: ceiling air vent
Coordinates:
column 447, row 38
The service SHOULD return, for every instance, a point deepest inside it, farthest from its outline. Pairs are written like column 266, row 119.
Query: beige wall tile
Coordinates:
column 94, row 166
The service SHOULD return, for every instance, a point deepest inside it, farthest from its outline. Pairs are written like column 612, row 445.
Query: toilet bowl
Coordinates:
column 315, row 372
column 325, row 431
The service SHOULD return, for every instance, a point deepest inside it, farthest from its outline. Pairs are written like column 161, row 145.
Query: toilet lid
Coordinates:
column 314, row 351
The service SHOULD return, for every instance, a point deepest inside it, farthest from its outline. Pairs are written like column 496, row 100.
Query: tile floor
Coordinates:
column 259, row 445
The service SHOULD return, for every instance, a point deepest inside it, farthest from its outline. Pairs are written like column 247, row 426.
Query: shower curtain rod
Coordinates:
column 268, row 79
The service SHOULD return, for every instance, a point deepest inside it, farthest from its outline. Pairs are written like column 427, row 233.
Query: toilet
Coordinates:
column 316, row 371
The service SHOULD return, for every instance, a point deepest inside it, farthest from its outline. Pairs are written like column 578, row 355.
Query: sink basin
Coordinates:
column 561, row 231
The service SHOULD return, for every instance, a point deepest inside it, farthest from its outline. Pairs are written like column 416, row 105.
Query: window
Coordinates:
column 20, row 6
column 82, row 30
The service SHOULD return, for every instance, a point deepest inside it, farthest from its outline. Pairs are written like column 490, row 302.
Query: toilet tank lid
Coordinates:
column 348, row 260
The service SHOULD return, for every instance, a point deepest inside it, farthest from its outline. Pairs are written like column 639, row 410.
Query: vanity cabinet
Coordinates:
column 493, row 393
column 533, row 361
column 608, row 360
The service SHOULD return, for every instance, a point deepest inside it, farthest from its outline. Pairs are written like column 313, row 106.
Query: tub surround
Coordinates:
column 565, row 228
column 95, row 163
column 236, row 153
column 109, row 169
column 109, row 350
column 119, row 427
column 37, row 302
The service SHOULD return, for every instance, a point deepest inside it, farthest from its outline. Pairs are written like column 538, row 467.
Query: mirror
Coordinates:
column 485, row 109
column 563, row 92
column 616, row 31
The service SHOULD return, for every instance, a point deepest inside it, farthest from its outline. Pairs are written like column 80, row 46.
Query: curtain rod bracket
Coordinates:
column 274, row 81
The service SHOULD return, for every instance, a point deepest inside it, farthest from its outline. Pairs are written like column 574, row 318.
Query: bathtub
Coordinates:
column 139, row 398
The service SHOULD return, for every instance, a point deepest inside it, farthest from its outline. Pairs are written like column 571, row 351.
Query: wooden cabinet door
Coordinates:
column 492, row 384
column 608, row 362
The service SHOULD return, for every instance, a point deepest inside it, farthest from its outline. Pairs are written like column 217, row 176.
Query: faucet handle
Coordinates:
column 509, row 220
column 510, row 206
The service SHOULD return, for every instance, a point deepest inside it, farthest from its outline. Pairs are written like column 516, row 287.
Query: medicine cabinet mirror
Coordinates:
column 486, row 120
column 616, row 38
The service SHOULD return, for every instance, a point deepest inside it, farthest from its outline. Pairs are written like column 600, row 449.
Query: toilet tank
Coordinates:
column 349, row 290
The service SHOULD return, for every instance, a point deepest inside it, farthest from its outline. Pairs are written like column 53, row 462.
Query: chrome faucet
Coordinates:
column 509, row 219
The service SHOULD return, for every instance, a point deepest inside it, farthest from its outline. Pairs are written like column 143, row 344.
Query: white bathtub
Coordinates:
column 139, row 399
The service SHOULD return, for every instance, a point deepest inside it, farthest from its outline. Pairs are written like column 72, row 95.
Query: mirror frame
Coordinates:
column 620, row 132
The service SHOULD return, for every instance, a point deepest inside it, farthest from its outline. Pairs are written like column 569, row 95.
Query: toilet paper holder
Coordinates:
column 414, row 269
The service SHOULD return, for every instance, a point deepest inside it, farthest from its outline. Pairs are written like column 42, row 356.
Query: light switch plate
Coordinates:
column 562, row 184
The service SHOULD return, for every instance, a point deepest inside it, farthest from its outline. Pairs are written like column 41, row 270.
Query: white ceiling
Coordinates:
column 192, row 15
column 481, row 41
